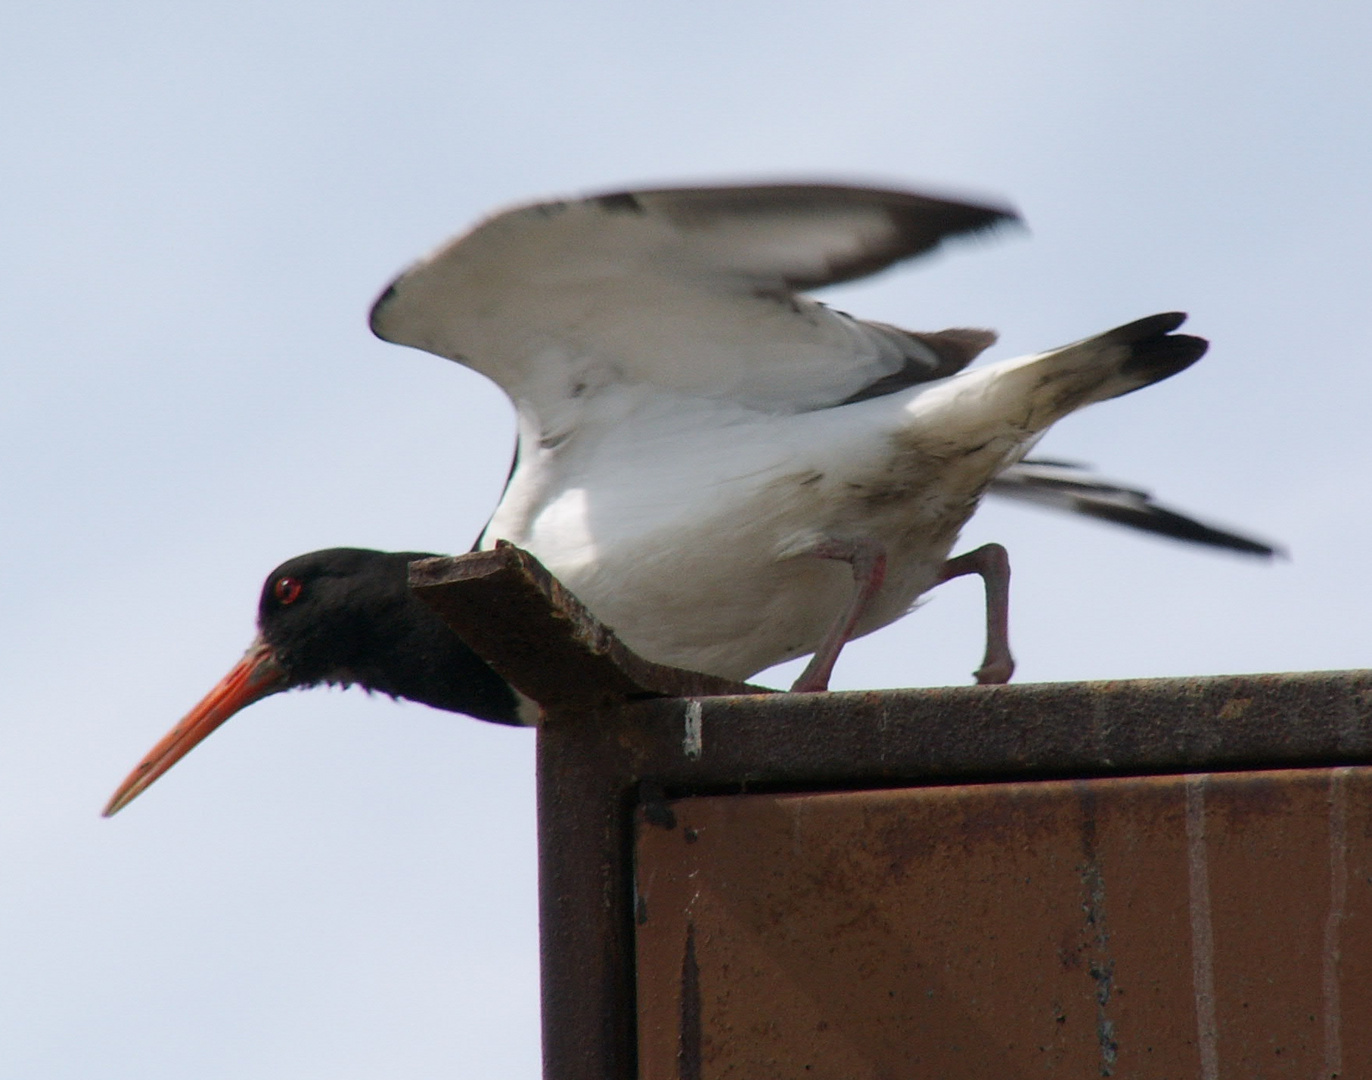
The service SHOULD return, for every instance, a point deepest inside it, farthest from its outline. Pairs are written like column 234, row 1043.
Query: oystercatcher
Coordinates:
column 702, row 448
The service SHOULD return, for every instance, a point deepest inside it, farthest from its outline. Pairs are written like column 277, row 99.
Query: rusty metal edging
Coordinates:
column 1023, row 731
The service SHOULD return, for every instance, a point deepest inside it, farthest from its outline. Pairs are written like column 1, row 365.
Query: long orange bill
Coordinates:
column 256, row 676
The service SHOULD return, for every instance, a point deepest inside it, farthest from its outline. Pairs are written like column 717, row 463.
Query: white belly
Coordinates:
column 685, row 524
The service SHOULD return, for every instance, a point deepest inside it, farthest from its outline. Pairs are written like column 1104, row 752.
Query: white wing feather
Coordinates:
column 691, row 290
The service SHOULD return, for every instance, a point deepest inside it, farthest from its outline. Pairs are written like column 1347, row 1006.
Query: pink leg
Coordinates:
column 868, row 559
column 993, row 564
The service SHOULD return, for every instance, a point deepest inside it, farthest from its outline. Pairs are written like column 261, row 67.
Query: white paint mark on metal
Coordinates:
column 1202, row 929
column 693, row 742
column 1333, row 923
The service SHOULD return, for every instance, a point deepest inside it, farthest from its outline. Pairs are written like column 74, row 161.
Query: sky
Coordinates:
column 201, row 202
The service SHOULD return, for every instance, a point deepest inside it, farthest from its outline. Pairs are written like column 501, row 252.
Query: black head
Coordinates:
column 346, row 615
column 343, row 616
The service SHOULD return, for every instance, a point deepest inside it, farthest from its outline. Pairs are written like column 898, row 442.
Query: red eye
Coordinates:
column 287, row 590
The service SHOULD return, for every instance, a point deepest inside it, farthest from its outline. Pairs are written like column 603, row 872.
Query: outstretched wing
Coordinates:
column 693, row 289
column 1067, row 486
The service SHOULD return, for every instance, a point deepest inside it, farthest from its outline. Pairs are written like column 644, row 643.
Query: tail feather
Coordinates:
column 1097, row 368
column 996, row 413
column 1074, row 489
column 1155, row 353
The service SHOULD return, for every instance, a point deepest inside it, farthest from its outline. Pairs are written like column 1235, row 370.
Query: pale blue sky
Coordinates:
column 200, row 202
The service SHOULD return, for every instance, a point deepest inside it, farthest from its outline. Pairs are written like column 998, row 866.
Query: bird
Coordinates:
column 346, row 616
column 341, row 616
column 730, row 473
column 701, row 448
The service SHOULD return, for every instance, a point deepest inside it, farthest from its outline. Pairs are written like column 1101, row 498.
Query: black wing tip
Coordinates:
column 374, row 316
column 964, row 213
column 912, row 214
column 619, row 202
column 917, row 222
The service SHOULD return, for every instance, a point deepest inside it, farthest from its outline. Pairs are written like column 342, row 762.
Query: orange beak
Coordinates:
column 258, row 675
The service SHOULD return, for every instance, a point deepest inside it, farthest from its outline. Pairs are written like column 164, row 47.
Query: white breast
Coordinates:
column 684, row 522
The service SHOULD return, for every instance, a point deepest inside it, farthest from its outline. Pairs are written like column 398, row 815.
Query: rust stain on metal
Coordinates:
column 1333, row 924
column 1101, row 965
column 688, row 1046
column 652, row 804
column 1233, row 709
column 1127, row 927
column 1202, row 929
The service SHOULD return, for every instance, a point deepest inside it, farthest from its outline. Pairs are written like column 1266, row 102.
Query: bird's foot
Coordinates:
column 992, row 563
column 868, row 560
column 995, row 672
